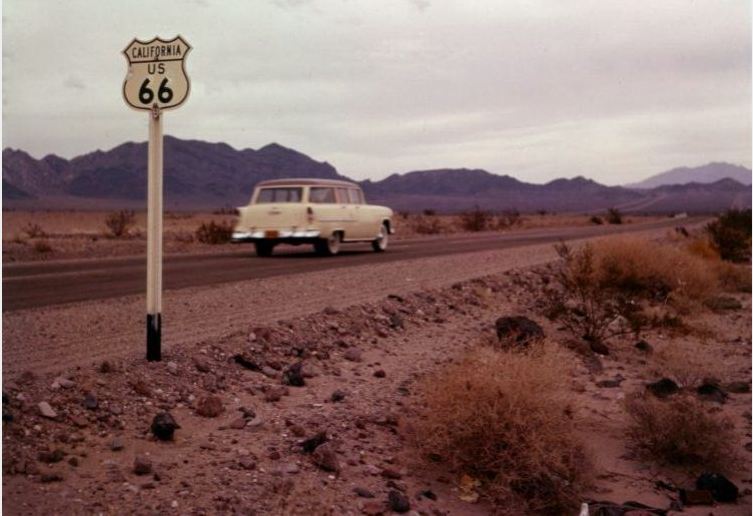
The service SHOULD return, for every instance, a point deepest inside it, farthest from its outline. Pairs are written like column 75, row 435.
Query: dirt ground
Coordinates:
column 253, row 403
column 54, row 235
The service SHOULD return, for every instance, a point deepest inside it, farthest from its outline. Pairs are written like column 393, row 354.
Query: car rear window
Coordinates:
column 268, row 195
column 322, row 195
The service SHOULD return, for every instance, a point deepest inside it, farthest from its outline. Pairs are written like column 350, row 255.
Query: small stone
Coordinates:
column 610, row 384
column 202, row 364
column 73, row 461
column 90, row 401
column 237, row 424
column 324, row 457
column 352, row 354
column 663, row 388
column 247, row 462
column 51, row 457
column 644, row 346
column 337, row 396
column 379, row 373
column 141, row 388
column 373, row 508
column 710, row 391
column 46, row 410
column 391, row 474
column 598, row 347
column 63, row 382
column 297, row 430
column 363, row 493
column 312, row 443
column 398, row 502
column 172, row 368
column 269, row 372
column 142, row 465
column 105, row 367
column 274, row 394
column 164, row 426
column 210, row 406
column 293, row 375
column 117, row 444
column 50, row 477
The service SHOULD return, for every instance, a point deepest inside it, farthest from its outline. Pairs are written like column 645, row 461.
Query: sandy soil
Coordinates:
column 54, row 235
column 373, row 344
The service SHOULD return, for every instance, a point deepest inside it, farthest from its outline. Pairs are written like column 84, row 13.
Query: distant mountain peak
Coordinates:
column 704, row 174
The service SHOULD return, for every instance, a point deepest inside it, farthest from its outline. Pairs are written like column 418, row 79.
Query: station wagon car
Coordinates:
column 325, row 213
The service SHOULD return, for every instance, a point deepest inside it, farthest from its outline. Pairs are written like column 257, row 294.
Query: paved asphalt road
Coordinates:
column 41, row 284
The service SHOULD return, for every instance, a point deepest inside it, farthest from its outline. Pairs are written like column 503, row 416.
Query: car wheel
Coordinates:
column 380, row 244
column 328, row 246
column 264, row 248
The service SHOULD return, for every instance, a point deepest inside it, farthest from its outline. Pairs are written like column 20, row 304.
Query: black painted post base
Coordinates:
column 154, row 337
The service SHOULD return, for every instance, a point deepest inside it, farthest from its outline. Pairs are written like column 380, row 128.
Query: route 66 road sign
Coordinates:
column 156, row 75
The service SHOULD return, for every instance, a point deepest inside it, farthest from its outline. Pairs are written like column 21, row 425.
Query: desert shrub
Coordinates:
column 614, row 216
column 687, row 363
column 475, row 219
column 119, row 222
column 429, row 213
column 34, row 230
column 680, row 432
column 504, row 419
column 702, row 247
column 595, row 219
column 507, row 219
column 733, row 277
column 731, row 234
column 427, row 225
column 214, row 233
column 42, row 247
column 184, row 237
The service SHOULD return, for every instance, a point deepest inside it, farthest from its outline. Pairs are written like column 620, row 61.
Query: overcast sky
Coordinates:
column 613, row 90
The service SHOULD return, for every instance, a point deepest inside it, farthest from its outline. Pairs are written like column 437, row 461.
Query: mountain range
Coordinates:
column 202, row 175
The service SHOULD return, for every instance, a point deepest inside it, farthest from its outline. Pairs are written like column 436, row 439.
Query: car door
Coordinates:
column 361, row 224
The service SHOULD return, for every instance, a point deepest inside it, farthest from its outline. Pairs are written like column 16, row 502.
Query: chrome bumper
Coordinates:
column 250, row 236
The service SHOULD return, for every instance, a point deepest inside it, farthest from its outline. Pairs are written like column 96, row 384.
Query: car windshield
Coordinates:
column 268, row 195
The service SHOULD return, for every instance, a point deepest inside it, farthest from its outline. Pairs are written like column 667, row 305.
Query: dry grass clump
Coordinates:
column 680, row 432
column 118, row 223
column 214, row 233
column 687, row 363
column 504, row 419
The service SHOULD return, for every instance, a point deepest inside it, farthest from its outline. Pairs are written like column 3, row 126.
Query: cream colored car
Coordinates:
column 325, row 213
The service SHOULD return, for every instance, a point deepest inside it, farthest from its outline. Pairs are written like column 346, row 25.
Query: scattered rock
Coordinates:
column 141, row 388
column 337, row 396
column 352, row 354
column 324, row 457
column 50, row 477
column 396, row 322
column 363, row 493
column 164, row 426
column 202, row 364
column 274, row 394
column 379, row 373
column 248, row 412
column 710, row 391
column 312, row 443
column 598, row 347
column 90, row 401
column 247, row 462
column 142, row 465
column 63, row 382
column 246, row 362
column 610, row 384
column 428, row 493
column 210, row 406
column 663, row 388
column 517, row 331
column 51, row 457
column 117, row 444
column 46, row 410
column 644, row 346
column 721, row 488
column 172, row 368
column 398, row 502
column 293, row 375
column 391, row 474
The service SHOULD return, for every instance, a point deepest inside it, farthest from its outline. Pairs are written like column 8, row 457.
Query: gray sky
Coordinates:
column 612, row 90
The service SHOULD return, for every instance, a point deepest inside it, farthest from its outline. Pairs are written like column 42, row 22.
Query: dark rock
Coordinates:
column 610, row 384
column 398, row 502
column 117, row 444
column 644, row 346
column 379, row 373
column 352, row 354
column 141, row 388
column 663, row 388
column 391, row 474
column 50, row 477
column 73, row 461
column 90, row 401
column 696, row 497
column 709, row 391
column 246, row 362
column 324, row 457
column 274, row 394
column 202, row 364
column 105, row 367
column 428, row 493
column 363, row 493
column 517, row 331
column 51, row 457
column 210, row 406
column 247, row 462
column 293, row 375
column 598, row 347
column 337, row 396
column 722, row 489
column 164, row 426
column 312, row 443
column 738, row 387
column 142, row 465
column 248, row 412
column 396, row 321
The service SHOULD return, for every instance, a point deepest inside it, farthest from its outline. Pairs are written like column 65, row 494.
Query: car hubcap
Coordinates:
column 334, row 244
column 383, row 238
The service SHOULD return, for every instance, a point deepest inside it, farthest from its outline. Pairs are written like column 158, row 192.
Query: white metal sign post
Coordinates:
column 156, row 81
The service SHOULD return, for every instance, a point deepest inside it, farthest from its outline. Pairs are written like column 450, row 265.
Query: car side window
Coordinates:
column 354, row 197
column 342, row 196
column 320, row 195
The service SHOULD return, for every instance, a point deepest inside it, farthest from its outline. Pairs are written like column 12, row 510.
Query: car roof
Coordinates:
column 305, row 181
